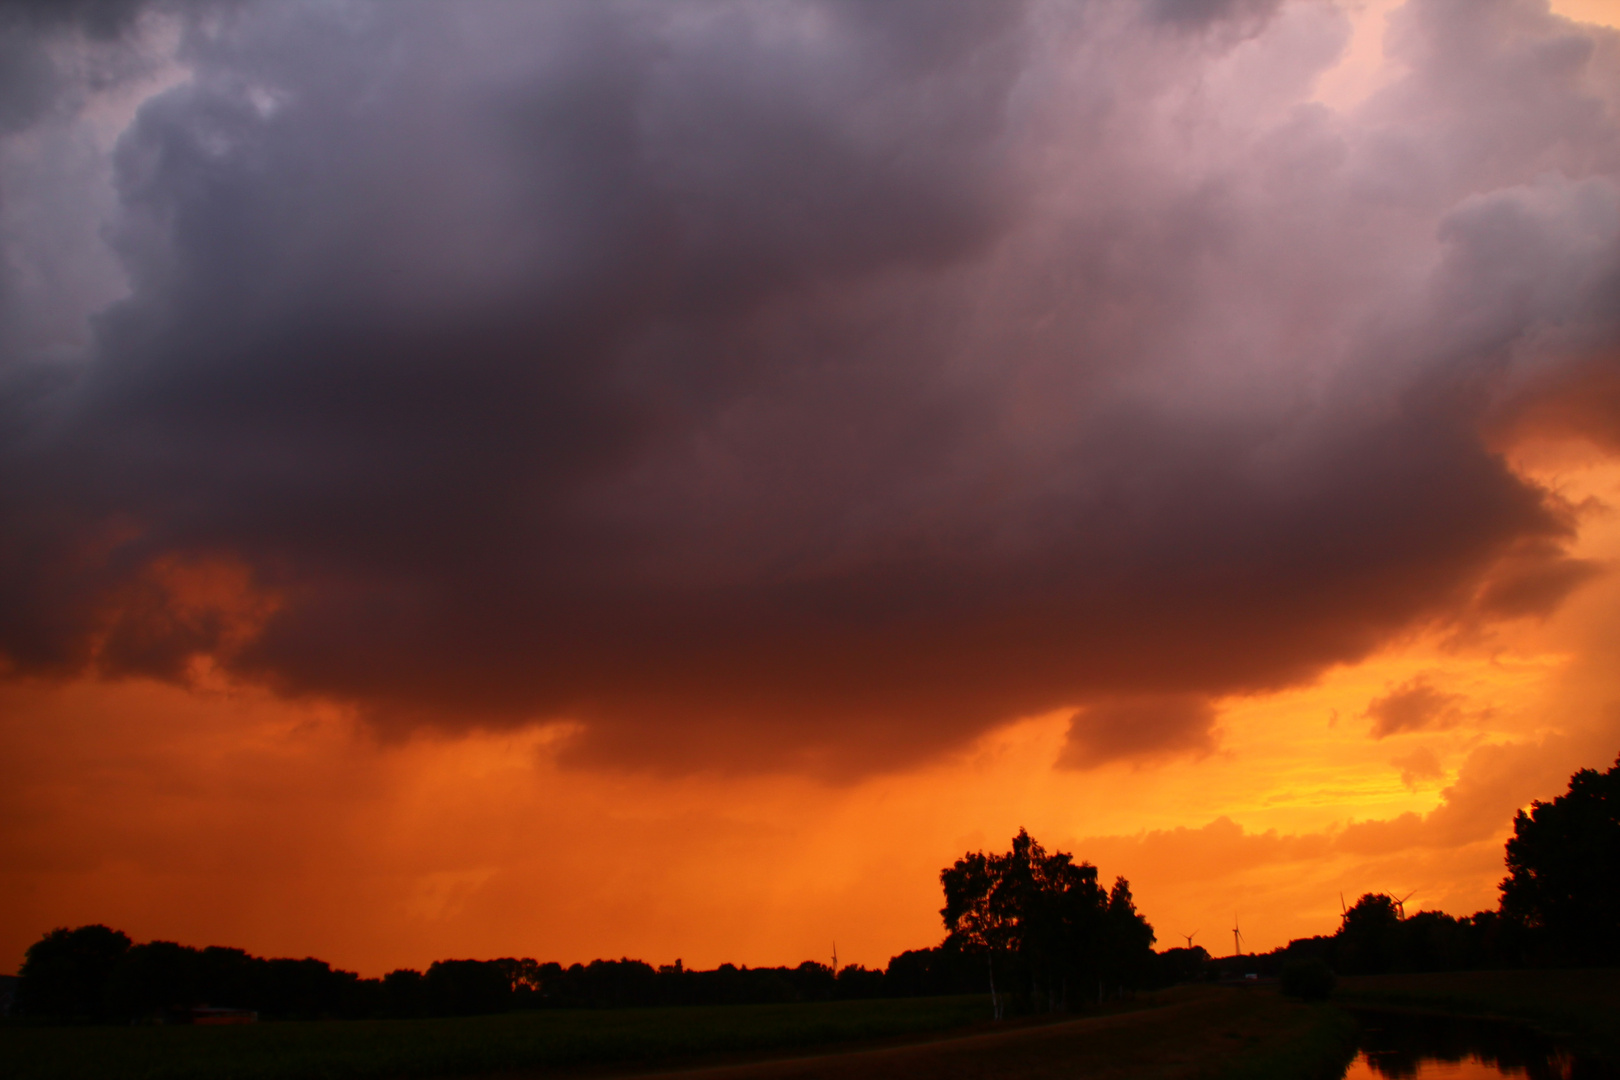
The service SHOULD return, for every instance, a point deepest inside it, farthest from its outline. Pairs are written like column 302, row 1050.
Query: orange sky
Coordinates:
column 227, row 817
column 204, row 807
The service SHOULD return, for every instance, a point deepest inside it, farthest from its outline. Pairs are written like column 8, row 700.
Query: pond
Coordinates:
column 1404, row 1046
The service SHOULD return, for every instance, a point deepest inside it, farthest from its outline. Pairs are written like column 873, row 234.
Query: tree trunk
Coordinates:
column 995, row 1002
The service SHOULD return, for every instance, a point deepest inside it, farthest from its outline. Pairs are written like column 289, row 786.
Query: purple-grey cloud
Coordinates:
column 803, row 384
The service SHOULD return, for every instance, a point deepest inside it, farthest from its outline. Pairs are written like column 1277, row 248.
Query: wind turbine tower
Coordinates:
column 1189, row 938
column 1237, row 938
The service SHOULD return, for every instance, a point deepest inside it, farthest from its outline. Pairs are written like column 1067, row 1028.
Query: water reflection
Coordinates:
column 1401, row 1046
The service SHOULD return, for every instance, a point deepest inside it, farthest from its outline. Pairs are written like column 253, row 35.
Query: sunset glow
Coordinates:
column 663, row 481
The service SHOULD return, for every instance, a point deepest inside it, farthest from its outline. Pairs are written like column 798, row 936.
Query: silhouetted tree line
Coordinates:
column 95, row 974
column 1039, row 923
column 1373, row 938
column 1179, row 965
column 1560, row 905
column 1047, row 934
column 1037, row 930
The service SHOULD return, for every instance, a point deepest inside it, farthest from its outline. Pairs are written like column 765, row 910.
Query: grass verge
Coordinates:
column 1310, row 1042
column 1581, row 1007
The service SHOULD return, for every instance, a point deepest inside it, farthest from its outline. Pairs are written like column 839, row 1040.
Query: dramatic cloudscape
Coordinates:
column 665, row 478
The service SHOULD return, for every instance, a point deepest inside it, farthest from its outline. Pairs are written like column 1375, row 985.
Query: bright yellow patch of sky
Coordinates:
column 1360, row 71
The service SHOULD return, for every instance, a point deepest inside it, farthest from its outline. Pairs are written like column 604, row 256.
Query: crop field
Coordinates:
column 1192, row 1032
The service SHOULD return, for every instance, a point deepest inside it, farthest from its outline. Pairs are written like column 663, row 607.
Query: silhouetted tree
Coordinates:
column 230, row 977
column 855, row 981
column 1179, row 965
column 523, row 976
column 1127, row 939
column 155, row 979
column 467, row 987
column 307, row 989
column 1564, row 869
column 975, row 921
column 945, row 969
column 64, row 974
column 1368, row 936
column 404, row 993
column 1042, row 925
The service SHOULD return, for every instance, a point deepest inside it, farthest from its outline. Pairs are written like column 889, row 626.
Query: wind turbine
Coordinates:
column 1237, row 938
column 1400, row 904
column 1189, row 938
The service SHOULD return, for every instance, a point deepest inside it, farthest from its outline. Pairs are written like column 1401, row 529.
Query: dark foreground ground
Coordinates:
column 1192, row 1032
column 1188, row 1033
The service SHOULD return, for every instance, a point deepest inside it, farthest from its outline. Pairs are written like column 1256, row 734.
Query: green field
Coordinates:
column 1190, row 1033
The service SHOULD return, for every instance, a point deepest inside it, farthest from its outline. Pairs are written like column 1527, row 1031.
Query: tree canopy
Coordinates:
column 65, row 972
column 1044, row 925
column 1564, row 868
column 97, row 974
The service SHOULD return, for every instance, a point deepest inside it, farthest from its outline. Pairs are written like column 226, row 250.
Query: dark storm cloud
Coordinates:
column 32, row 79
column 1204, row 13
column 807, row 384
